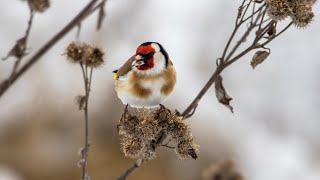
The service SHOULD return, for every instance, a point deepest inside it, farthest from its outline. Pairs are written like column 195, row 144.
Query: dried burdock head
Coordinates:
column 131, row 147
column 143, row 130
column 93, row 56
column 278, row 10
column 84, row 53
column 74, row 52
column 186, row 149
column 302, row 14
column 39, row 5
column 300, row 11
column 224, row 170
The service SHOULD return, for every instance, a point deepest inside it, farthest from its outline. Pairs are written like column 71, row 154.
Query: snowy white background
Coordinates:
column 274, row 132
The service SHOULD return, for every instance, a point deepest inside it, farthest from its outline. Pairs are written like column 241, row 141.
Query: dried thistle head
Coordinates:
column 278, row 10
column 74, row 52
column 142, row 131
column 186, row 149
column 93, row 56
column 302, row 14
column 131, row 147
column 84, row 53
column 39, row 5
column 224, row 170
column 300, row 11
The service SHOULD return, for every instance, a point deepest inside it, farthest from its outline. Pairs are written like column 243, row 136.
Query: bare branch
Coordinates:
column 257, row 19
column 87, row 10
column 134, row 166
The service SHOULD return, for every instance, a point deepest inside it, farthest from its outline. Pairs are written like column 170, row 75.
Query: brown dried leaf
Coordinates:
column 258, row 58
column 80, row 100
column 221, row 94
column 272, row 30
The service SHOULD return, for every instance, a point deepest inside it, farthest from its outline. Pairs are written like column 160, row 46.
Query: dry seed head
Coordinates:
column 39, row 5
column 141, row 132
column 74, row 52
column 131, row 147
column 302, row 14
column 278, row 10
column 78, row 52
column 93, row 56
column 149, row 151
column 186, row 149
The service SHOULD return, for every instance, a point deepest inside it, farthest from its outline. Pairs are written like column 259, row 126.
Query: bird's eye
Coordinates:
column 149, row 55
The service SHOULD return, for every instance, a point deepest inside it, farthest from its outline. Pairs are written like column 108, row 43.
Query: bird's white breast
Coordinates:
column 154, row 99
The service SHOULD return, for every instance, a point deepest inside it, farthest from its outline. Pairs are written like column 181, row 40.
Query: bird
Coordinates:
column 147, row 78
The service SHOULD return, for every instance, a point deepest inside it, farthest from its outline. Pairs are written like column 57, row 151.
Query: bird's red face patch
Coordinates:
column 145, row 49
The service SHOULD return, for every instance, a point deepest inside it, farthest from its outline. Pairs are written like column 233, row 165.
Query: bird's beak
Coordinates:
column 115, row 74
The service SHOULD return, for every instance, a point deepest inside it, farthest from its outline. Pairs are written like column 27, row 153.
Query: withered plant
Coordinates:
column 88, row 57
column 143, row 131
column 19, row 49
column 259, row 19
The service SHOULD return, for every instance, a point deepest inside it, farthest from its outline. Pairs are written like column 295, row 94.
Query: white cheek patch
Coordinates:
column 156, row 47
column 159, row 62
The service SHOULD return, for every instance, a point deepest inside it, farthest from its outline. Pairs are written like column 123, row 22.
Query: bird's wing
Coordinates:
column 125, row 68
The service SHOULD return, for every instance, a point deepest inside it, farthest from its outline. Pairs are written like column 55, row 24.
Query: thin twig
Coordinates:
column 272, row 38
column 134, row 166
column 244, row 37
column 226, row 59
column 87, row 10
column 84, row 153
column 16, row 64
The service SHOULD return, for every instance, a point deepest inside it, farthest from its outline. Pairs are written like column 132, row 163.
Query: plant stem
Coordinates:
column 87, row 10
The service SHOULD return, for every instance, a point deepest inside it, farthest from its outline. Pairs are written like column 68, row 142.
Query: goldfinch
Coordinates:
column 147, row 78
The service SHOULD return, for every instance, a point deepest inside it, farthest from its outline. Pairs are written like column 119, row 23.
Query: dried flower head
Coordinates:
column 39, row 5
column 278, row 9
column 302, row 14
column 93, row 56
column 74, row 52
column 84, row 53
column 186, row 149
column 131, row 147
column 224, row 170
column 142, row 131
column 300, row 11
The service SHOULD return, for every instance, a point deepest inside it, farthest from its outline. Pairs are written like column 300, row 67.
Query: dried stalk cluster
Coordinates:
column 300, row 11
column 88, row 57
column 142, row 131
column 85, row 54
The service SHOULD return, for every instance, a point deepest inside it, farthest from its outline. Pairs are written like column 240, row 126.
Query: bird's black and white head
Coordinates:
column 151, row 58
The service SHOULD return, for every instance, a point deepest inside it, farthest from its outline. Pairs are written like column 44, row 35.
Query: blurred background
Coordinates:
column 273, row 133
